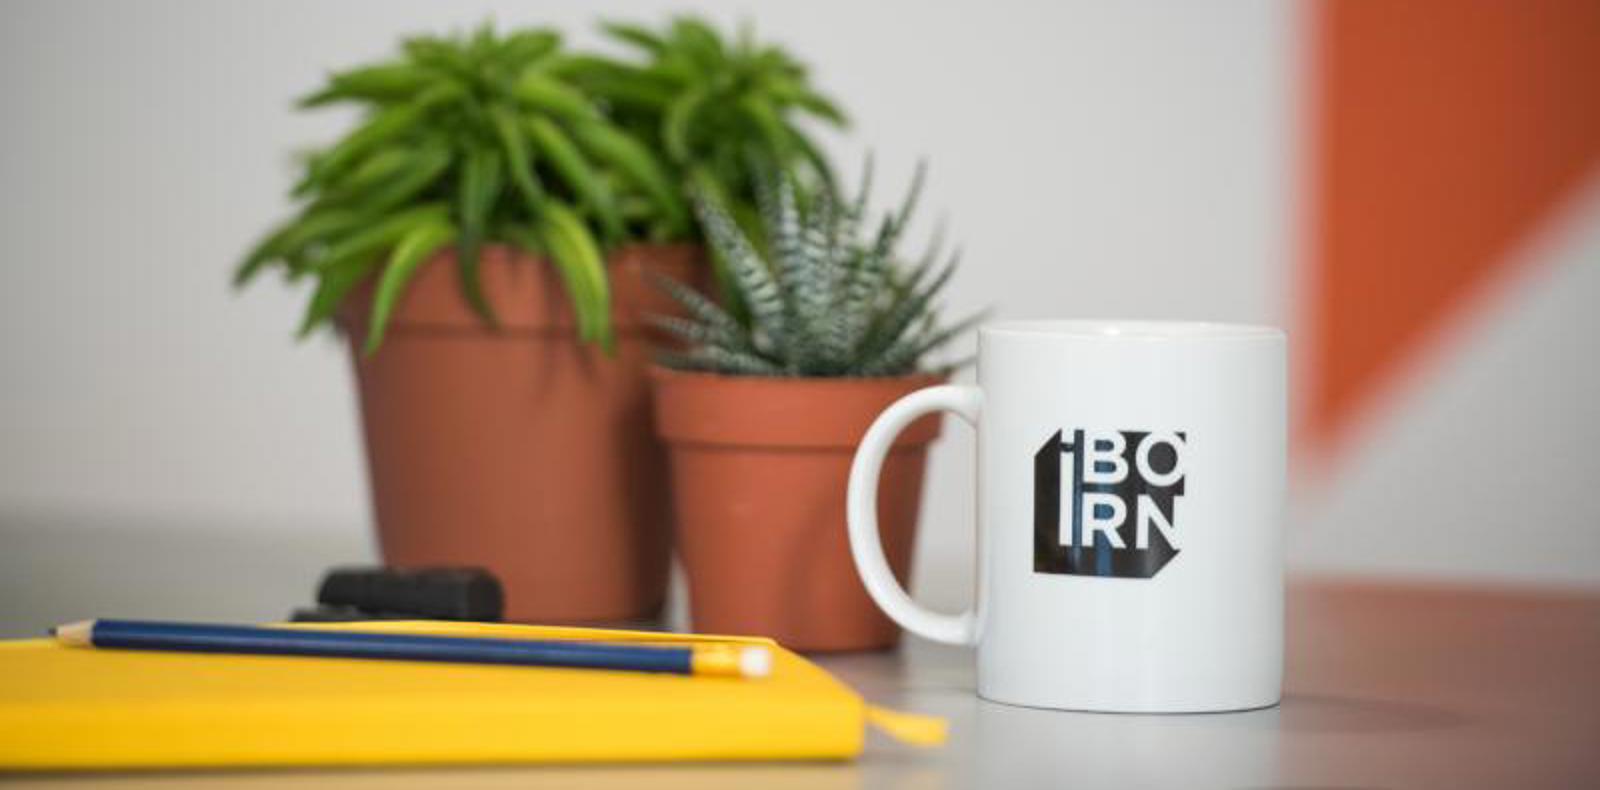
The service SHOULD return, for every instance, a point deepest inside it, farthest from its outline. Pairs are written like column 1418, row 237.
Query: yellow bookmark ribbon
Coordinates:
column 914, row 729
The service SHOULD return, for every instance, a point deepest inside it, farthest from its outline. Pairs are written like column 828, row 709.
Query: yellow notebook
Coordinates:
column 81, row 708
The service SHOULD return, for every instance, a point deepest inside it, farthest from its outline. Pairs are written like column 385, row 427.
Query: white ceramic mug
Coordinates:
column 1130, row 515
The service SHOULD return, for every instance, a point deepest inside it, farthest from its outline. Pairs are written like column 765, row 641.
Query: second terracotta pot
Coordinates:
column 759, row 468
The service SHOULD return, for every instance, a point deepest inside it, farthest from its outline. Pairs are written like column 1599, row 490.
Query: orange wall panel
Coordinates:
column 1446, row 130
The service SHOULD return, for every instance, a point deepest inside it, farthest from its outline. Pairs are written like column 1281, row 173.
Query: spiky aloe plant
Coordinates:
column 468, row 140
column 826, row 297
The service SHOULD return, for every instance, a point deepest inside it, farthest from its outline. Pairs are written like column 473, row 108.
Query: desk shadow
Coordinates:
column 1329, row 714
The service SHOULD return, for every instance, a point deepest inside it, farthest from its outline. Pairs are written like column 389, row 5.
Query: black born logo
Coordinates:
column 1105, row 503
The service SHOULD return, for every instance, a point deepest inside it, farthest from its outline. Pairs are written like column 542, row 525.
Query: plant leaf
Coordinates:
column 770, row 128
column 428, row 164
column 335, row 283
column 813, row 157
column 904, row 355
column 617, row 83
column 383, row 82
column 678, row 120
column 574, row 251
column 289, row 237
column 814, row 103
column 544, row 93
column 376, row 168
column 721, row 360
column 756, row 284
column 478, row 189
column 635, row 161
column 527, row 46
column 699, row 40
column 634, row 35
column 380, row 128
column 818, row 273
column 700, row 308
column 583, row 180
column 414, row 248
column 515, row 148
column 382, row 233
column 912, row 305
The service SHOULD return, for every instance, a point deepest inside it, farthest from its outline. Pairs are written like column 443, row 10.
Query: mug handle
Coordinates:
column 862, row 513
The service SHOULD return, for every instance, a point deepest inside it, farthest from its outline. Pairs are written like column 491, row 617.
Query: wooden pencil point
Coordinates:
column 79, row 634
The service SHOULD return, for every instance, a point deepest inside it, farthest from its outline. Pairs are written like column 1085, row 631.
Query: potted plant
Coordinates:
column 486, row 215
column 762, row 414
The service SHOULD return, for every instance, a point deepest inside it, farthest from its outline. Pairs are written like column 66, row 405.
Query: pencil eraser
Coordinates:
column 755, row 662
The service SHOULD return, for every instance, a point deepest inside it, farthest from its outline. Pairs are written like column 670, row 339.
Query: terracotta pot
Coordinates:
column 520, row 449
column 759, row 468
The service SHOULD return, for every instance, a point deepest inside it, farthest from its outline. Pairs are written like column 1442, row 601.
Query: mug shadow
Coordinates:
column 1331, row 714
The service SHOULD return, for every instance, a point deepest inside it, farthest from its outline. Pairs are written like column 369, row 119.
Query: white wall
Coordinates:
column 1096, row 159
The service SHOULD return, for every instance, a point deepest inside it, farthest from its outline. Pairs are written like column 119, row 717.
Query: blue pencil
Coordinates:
column 711, row 659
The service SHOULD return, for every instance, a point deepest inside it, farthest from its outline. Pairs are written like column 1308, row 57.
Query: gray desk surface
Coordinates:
column 1388, row 685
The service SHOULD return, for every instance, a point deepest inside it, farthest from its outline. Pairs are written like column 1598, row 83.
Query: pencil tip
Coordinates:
column 79, row 634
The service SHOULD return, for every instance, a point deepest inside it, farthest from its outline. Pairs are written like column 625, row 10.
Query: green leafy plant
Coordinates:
column 716, row 108
column 826, row 297
column 469, row 140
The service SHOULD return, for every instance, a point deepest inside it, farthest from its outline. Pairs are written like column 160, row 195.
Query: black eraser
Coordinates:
column 427, row 593
column 334, row 614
